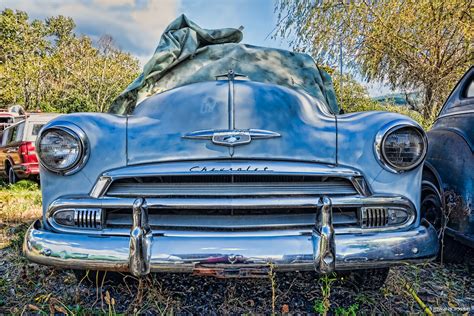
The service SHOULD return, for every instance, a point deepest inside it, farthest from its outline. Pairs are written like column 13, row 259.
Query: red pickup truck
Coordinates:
column 17, row 148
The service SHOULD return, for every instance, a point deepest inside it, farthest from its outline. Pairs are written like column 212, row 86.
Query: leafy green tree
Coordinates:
column 44, row 65
column 353, row 97
column 22, row 49
column 422, row 45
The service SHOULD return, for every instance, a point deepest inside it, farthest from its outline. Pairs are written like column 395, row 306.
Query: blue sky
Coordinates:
column 136, row 25
column 257, row 17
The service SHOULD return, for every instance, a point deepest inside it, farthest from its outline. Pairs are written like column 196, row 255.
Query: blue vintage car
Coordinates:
column 448, row 178
column 226, row 161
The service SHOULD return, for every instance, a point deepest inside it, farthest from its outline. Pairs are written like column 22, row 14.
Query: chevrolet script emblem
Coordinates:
column 232, row 136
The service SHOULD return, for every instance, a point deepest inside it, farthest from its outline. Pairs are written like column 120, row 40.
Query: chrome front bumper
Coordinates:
column 230, row 254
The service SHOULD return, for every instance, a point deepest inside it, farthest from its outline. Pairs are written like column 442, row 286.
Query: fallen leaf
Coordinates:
column 33, row 307
column 60, row 309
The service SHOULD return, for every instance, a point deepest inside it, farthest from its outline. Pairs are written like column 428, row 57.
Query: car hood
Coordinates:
column 275, row 123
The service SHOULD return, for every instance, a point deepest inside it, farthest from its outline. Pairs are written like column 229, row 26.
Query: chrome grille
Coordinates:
column 231, row 219
column 231, row 201
column 231, row 186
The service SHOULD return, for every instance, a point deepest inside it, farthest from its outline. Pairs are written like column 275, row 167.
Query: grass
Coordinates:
column 34, row 289
column 323, row 306
column 19, row 203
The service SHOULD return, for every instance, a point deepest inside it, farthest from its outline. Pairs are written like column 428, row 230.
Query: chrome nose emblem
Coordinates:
column 232, row 137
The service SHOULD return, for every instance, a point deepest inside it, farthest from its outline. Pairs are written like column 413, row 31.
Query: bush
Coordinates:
column 23, row 185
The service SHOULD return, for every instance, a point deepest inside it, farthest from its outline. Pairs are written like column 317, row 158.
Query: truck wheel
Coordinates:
column 370, row 279
column 431, row 205
column 12, row 178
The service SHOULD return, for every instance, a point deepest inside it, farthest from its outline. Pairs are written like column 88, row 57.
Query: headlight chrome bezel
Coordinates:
column 382, row 136
column 75, row 132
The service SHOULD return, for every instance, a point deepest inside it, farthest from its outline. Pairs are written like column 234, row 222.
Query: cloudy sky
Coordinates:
column 136, row 25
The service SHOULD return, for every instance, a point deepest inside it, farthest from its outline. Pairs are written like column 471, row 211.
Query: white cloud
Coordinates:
column 135, row 25
column 114, row 2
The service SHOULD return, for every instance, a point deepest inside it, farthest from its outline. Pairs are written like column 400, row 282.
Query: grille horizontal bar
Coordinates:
column 159, row 220
column 233, row 206
column 231, row 189
column 230, row 185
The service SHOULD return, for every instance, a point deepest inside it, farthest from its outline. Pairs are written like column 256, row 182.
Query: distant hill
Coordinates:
column 411, row 99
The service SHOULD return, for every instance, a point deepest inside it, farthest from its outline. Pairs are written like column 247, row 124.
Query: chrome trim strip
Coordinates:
column 231, row 167
column 361, row 185
column 231, row 103
column 216, row 223
column 226, row 167
column 100, row 187
column 230, row 203
column 216, row 189
column 455, row 113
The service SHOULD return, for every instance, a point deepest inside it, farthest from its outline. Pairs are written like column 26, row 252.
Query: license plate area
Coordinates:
column 231, row 272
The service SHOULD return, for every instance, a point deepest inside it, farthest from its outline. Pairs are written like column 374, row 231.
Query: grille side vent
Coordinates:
column 373, row 217
column 88, row 218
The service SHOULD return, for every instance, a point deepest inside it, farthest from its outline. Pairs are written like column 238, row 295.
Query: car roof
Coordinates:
column 36, row 118
column 455, row 93
column 42, row 117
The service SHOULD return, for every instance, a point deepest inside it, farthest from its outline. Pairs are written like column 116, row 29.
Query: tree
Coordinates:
column 22, row 49
column 44, row 65
column 423, row 45
column 353, row 97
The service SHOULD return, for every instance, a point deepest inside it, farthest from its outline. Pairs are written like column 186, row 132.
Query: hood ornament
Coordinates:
column 231, row 137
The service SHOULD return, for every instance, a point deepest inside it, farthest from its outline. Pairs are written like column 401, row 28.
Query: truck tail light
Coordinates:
column 27, row 152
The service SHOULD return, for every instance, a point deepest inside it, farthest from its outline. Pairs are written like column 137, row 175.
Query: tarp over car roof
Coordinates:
column 188, row 54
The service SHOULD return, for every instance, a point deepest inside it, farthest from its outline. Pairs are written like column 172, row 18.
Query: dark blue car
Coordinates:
column 448, row 176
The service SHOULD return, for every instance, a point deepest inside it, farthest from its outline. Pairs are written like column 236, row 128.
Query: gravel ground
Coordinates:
column 31, row 288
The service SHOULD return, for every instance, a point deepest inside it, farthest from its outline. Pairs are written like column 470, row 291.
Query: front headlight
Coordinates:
column 402, row 147
column 61, row 149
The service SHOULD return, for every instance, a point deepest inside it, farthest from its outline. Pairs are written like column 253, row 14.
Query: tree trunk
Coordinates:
column 427, row 101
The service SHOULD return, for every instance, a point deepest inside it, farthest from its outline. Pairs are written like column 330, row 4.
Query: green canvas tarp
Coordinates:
column 187, row 54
